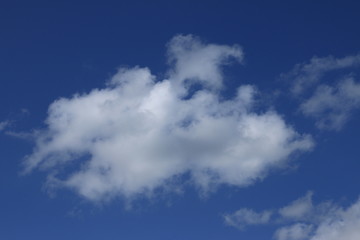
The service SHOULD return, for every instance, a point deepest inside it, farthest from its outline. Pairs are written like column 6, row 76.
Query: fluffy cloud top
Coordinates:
column 139, row 132
column 330, row 103
column 302, row 220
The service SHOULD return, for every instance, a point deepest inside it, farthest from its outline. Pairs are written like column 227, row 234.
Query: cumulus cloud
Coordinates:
column 330, row 102
column 302, row 220
column 139, row 133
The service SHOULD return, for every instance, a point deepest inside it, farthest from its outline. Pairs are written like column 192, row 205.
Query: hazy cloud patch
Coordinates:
column 245, row 217
column 3, row 125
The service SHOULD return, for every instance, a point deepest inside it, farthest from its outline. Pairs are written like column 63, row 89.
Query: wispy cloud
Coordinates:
column 306, row 75
column 332, row 222
column 330, row 102
column 245, row 217
column 299, row 209
column 302, row 220
column 332, row 106
column 4, row 125
column 139, row 133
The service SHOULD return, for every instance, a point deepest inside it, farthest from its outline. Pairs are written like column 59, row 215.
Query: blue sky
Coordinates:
column 179, row 120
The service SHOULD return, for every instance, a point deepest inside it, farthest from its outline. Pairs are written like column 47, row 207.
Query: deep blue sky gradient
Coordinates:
column 51, row 49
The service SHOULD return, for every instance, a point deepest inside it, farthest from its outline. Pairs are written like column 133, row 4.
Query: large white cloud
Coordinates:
column 139, row 132
column 302, row 220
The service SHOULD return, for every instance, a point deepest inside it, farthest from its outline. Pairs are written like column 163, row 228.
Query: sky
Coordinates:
column 179, row 120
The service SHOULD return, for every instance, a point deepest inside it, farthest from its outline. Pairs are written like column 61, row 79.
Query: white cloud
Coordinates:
column 306, row 75
column 332, row 103
column 301, row 220
column 195, row 61
column 327, row 222
column 298, row 209
column 244, row 217
column 340, row 224
column 138, row 133
column 332, row 106
column 298, row 231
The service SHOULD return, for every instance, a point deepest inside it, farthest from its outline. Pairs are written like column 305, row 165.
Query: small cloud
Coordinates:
column 25, row 111
column 301, row 220
column 246, row 217
column 307, row 75
column 299, row 209
column 329, row 103
column 332, row 106
column 298, row 231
